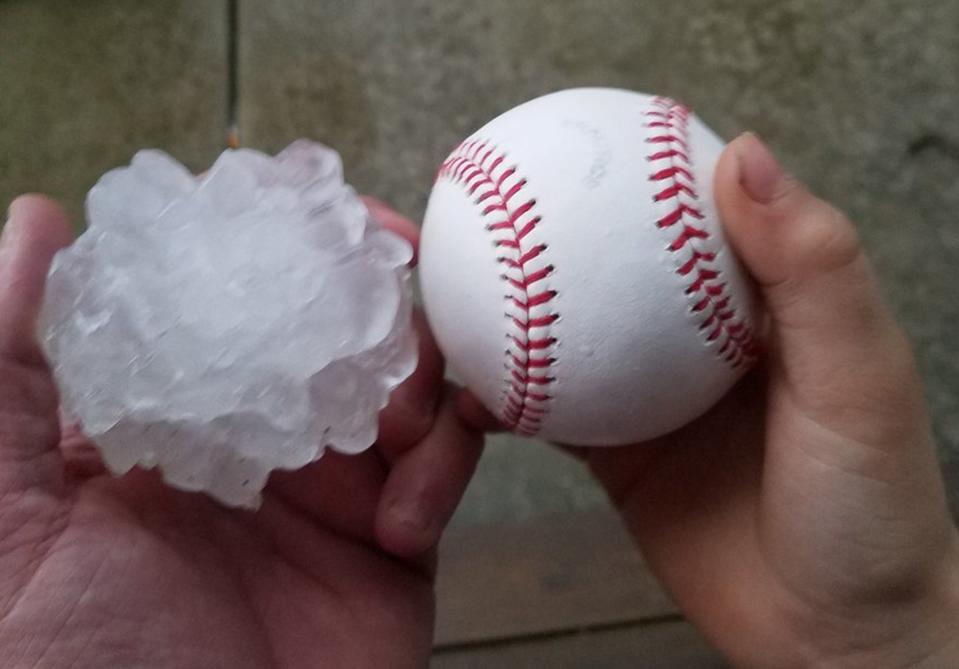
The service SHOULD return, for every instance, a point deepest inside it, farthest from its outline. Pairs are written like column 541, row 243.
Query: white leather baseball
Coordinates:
column 575, row 273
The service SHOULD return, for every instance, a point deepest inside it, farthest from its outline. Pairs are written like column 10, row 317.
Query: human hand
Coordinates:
column 802, row 522
column 336, row 569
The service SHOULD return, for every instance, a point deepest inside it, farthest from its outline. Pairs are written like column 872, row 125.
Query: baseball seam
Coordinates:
column 677, row 196
column 498, row 190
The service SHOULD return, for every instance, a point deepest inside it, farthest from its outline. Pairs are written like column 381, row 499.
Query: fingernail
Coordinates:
column 760, row 174
column 6, row 234
column 13, row 213
column 18, row 203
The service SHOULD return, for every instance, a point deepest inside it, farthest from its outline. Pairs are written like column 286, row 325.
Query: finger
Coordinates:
column 29, row 427
column 426, row 484
column 35, row 230
column 412, row 408
column 472, row 412
column 339, row 491
column 836, row 339
column 81, row 459
column 395, row 222
column 82, row 462
column 804, row 253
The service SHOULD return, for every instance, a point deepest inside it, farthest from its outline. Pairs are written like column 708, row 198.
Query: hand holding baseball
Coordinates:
column 802, row 521
column 335, row 570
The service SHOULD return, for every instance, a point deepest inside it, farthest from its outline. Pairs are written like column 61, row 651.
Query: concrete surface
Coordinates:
column 83, row 85
column 519, row 479
column 858, row 98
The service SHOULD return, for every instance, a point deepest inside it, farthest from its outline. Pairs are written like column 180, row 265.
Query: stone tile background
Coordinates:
column 83, row 85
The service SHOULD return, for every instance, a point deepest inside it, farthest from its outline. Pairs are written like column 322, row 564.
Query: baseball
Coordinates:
column 574, row 270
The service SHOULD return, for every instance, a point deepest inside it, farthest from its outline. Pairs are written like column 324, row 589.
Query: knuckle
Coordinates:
column 827, row 240
column 788, row 190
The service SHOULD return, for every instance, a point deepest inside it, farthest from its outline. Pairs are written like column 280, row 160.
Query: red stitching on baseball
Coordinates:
column 528, row 357
column 531, row 255
column 537, row 363
column 673, row 190
column 693, row 262
column 670, row 153
column 543, row 322
column 668, row 124
column 675, row 216
column 528, row 228
column 671, row 172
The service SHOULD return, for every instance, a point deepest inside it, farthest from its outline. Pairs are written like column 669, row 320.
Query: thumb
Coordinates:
column 832, row 335
column 35, row 231
column 37, row 228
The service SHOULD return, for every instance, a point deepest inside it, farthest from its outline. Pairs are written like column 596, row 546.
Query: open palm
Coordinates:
column 335, row 569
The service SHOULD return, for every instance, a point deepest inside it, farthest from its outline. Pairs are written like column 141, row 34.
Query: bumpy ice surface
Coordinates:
column 222, row 327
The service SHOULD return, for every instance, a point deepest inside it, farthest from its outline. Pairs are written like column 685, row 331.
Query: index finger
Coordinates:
column 412, row 408
column 395, row 222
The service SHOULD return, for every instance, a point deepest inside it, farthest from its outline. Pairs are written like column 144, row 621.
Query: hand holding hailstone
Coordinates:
column 221, row 327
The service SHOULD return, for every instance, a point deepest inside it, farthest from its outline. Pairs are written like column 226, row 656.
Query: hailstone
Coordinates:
column 223, row 326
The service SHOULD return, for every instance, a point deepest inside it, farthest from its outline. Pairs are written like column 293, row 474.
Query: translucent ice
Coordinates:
column 222, row 327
